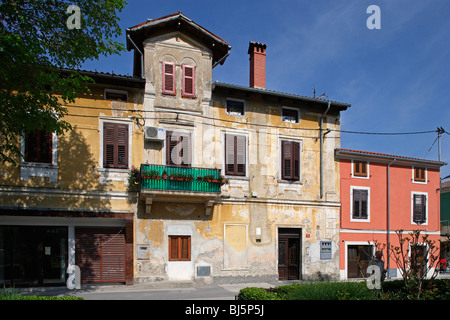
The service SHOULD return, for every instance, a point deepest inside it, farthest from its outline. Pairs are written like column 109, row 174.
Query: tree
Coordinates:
column 416, row 257
column 37, row 48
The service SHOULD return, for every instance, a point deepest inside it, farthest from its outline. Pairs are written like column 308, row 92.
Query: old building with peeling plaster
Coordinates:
column 169, row 176
column 276, row 213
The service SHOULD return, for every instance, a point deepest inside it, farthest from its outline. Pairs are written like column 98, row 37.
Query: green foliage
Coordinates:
column 432, row 289
column 7, row 294
column 253, row 293
column 311, row 291
column 332, row 291
column 35, row 47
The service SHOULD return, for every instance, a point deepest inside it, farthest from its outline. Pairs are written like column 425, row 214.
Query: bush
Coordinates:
column 311, row 291
column 332, row 291
column 253, row 293
column 13, row 295
column 437, row 289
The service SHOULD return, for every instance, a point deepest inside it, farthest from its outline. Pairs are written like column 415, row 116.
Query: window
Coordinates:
column 168, row 78
column 178, row 149
column 115, row 145
column 188, row 89
column 235, row 155
column 360, row 168
column 38, row 146
column 360, row 209
column 116, row 95
column 289, row 115
column 235, row 108
column 419, row 208
column 419, row 174
column 179, row 248
column 290, row 160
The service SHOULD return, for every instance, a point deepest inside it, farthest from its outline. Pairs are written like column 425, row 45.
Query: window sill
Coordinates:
column 113, row 174
column 37, row 169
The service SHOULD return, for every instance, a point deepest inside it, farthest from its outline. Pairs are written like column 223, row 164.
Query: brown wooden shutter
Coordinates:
column 229, row 154
column 296, row 160
column 179, row 248
column 290, row 160
column 178, row 151
column 168, row 78
column 419, row 215
column 115, row 145
column 235, row 155
column 39, row 146
column 188, row 89
column 240, row 155
column 286, row 156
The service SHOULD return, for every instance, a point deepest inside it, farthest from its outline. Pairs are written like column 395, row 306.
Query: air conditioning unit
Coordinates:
column 154, row 134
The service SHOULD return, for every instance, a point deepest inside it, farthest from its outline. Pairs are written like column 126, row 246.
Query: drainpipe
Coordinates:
column 140, row 52
column 321, row 148
column 388, row 223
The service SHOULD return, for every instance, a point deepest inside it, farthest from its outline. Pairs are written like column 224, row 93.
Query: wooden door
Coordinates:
column 289, row 261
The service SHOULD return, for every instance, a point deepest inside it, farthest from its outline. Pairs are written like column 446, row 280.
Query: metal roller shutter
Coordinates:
column 100, row 254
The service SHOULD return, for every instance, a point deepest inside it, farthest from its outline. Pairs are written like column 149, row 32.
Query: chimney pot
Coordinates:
column 257, row 52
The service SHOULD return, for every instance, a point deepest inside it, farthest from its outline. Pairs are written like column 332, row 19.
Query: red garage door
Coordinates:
column 100, row 254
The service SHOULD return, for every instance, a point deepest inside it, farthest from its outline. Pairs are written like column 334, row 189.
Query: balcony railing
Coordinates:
column 168, row 178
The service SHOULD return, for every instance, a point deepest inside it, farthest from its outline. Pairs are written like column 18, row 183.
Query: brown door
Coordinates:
column 358, row 258
column 289, row 261
column 100, row 254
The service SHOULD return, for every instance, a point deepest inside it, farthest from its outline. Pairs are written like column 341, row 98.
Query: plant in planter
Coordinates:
column 199, row 178
column 222, row 180
column 209, row 177
column 164, row 174
column 189, row 177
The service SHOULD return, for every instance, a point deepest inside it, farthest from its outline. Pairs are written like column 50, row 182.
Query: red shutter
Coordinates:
column 188, row 89
column 168, row 78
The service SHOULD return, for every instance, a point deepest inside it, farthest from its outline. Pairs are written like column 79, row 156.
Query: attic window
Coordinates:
column 290, row 115
column 116, row 95
column 235, row 108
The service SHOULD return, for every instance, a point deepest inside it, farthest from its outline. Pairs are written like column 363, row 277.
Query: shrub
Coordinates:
column 332, row 291
column 253, row 293
column 13, row 295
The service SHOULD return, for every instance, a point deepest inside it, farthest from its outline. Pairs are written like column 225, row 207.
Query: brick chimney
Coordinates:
column 257, row 52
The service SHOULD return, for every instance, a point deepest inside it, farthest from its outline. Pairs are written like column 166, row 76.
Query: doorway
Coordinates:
column 33, row 255
column 358, row 260
column 289, row 254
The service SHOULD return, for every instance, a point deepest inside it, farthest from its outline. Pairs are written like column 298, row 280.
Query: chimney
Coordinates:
column 257, row 52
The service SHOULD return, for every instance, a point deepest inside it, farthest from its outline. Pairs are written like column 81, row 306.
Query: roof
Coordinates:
column 445, row 185
column 340, row 105
column 383, row 157
column 179, row 22
column 111, row 78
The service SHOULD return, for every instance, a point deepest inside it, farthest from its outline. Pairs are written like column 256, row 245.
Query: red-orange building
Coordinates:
column 380, row 194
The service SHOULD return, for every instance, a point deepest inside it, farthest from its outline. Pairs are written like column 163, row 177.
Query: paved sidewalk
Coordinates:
column 151, row 291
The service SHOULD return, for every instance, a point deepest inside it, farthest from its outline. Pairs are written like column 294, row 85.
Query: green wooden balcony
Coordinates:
column 169, row 178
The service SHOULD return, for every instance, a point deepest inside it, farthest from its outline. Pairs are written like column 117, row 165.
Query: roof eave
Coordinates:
column 341, row 105
column 353, row 155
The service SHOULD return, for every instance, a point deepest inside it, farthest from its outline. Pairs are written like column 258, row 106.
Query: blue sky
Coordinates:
column 397, row 78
